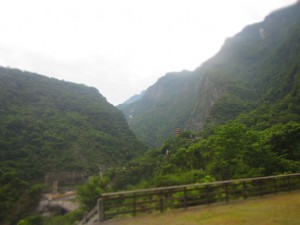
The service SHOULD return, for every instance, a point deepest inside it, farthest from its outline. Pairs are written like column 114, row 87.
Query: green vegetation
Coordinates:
column 89, row 192
column 242, row 108
column 225, row 152
column 228, row 151
column 49, row 125
column 67, row 219
column 17, row 196
column 46, row 123
column 245, row 103
column 164, row 107
column 249, row 73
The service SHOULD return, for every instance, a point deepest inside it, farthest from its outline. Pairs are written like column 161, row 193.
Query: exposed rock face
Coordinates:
column 258, row 65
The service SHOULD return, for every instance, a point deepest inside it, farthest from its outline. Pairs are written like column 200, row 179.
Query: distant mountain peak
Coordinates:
column 134, row 98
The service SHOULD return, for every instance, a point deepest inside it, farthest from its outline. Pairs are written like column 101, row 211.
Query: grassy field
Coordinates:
column 279, row 209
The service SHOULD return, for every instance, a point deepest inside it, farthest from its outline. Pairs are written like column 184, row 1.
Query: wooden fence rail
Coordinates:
column 133, row 203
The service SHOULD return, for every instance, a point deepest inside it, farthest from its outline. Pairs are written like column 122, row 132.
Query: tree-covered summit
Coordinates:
column 50, row 126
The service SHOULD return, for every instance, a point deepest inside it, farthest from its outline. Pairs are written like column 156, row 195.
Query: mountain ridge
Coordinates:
column 240, row 77
column 54, row 130
column 46, row 110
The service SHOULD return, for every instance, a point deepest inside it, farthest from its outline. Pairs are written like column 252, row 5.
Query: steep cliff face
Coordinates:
column 165, row 106
column 209, row 92
column 258, row 66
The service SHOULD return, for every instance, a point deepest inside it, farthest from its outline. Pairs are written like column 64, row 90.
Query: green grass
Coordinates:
column 279, row 209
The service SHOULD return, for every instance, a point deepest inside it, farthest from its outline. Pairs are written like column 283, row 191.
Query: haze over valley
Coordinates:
column 235, row 115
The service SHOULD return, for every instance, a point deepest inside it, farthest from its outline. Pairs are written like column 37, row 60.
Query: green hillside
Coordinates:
column 165, row 106
column 239, row 115
column 245, row 120
column 50, row 126
column 257, row 69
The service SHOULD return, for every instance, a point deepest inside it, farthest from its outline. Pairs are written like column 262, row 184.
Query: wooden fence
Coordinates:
column 133, row 203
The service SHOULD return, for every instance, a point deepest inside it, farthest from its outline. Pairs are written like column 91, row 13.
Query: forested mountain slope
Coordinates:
column 258, row 67
column 57, row 125
column 49, row 125
column 165, row 106
column 244, row 102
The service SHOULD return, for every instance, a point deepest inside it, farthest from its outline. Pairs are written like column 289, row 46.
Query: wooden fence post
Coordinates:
column 84, row 217
column 226, row 192
column 162, row 198
column 100, row 209
column 275, row 185
column 244, row 189
column 185, row 198
column 161, row 202
column 207, row 194
column 260, row 188
column 134, row 204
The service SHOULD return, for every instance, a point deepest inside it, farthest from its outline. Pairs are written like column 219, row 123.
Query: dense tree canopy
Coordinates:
column 228, row 151
column 49, row 125
column 242, row 107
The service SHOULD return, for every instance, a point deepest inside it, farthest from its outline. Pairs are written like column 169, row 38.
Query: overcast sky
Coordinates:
column 121, row 47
